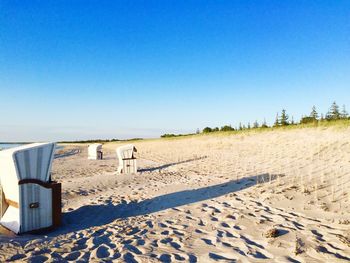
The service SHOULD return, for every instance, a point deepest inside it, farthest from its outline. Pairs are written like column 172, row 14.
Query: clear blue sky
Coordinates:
column 121, row 69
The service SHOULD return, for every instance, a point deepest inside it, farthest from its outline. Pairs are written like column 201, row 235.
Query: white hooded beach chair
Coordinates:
column 95, row 151
column 127, row 160
column 30, row 201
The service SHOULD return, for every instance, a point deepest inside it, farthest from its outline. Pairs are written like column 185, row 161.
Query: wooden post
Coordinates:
column 56, row 204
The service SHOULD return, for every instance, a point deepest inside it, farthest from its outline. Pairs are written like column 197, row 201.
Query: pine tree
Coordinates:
column 277, row 121
column 284, row 118
column 256, row 124
column 333, row 113
column 264, row 125
column 292, row 121
column 248, row 125
column 344, row 114
column 314, row 113
column 240, row 126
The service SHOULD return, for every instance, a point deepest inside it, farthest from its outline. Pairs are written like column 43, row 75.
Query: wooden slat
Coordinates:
column 3, row 204
column 12, row 203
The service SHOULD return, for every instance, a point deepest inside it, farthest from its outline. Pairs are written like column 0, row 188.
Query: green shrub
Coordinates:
column 227, row 128
column 207, row 130
column 305, row 120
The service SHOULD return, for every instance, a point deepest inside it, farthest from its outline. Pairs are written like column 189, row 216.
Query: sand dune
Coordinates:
column 203, row 199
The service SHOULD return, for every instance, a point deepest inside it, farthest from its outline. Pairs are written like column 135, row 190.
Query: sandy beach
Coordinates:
column 276, row 196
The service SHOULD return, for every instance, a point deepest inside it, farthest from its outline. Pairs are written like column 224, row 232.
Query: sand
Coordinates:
column 279, row 196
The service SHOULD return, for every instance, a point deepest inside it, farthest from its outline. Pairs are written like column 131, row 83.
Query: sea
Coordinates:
column 8, row 145
column 4, row 146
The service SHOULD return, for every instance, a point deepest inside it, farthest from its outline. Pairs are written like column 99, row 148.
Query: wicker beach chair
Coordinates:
column 95, row 151
column 30, row 200
column 127, row 159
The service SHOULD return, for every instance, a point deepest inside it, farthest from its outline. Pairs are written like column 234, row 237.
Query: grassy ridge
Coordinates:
column 337, row 124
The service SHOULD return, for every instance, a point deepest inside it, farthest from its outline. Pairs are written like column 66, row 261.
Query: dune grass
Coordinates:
column 336, row 124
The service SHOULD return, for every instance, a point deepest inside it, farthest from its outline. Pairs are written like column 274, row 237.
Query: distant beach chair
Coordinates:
column 30, row 201
column 95, row 151
column 127, row 159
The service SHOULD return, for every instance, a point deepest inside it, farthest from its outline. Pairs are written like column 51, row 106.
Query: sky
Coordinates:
column 82, row 69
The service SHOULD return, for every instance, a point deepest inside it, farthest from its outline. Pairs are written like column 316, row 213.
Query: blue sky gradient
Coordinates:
column 121, row 69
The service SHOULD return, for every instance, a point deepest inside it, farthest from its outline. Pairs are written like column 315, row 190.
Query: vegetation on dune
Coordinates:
column 334, row 117
column 169, row 135
column 101, row 140
column 216, row 129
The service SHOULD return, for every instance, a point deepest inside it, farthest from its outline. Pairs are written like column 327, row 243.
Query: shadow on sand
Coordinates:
column 67, row 154
column 98, row 215
column 170, row 164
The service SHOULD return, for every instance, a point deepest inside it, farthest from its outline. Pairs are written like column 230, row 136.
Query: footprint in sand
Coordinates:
column 103, row 252
column 40, row 258
column 179, row 233
column 179, row 257
column 223, row 224
column 129, row 258
column 17, row 257
column 165, row 233
column 133, row 249
column 225, row 257
column 213, row 218
column 192, row 258
column 73, row 256
column 208, row 241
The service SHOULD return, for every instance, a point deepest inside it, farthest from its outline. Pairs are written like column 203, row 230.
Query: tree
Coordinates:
column 284, row 118
column 333, row 113
column 207, row 130
column 314, row 113
column 264, row 125
column 216, row 129
column 197, row 131
column 322, row 117
column 277, row 121
column 240, row 126
column 167, row 135
column 344, row 114
column 256, row 124
column 227, row 128
column 292, row 121
column 248, row 125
